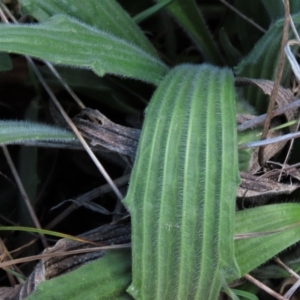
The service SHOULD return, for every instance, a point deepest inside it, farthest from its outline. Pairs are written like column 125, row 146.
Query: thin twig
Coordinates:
column 298, row 123
column 23, row 193
column 275, row 89
column 283, row 265
column 243, row 16
column 260, row 119
column 296, row 285
column 89, row 196
column 276, row 172
column 292, row 290
column 62, row 253
column 269, row 141
column 293, row 27
column 264, row 287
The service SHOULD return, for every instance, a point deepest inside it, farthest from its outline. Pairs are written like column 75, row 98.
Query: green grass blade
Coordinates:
column 40, row 231
column 151, row 11
column 187, row 13
column 281, row 219
column 183, row 186
column 65, row 40
column 106, row 15
column 18, row 132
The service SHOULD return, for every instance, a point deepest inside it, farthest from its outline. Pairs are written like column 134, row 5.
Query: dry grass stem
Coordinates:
column 279, row 72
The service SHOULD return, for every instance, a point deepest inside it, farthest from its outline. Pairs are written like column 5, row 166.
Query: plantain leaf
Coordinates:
column 105, row 279
column 17, row 132
column 183, row 185
column 65, row 40
column 106, row 15
column 187, row 13
column 279, row 228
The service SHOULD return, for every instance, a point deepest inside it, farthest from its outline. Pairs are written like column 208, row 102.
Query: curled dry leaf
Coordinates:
column 284, row 97
column 103, row 132
column 259, row 188
column 119, row 137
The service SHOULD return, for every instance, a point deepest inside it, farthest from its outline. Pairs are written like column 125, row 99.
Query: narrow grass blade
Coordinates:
column 151, row 11
column 183, row 186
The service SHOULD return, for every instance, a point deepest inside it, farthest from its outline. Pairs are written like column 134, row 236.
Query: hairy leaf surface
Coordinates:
column 183, row 186
column 65, row 40
column 105, row 15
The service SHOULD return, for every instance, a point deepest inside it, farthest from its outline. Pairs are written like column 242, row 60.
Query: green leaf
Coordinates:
column 233, row 56
column 262, row 62
column 187, row 13
column 19, row 132
column 279, row 226
column 275, row 8
column 245, row 295
column 64, row 40
column 151, row 11
column 290, row 257
column 5, row 62
column 106, row 15
column 183, row 186
column 105, row 279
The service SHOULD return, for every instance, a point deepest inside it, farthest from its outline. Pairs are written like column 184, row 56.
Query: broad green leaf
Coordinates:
column 104, row 279
column 18, row 132
column 106, row 15
column 187, row 13
column 262, row 62
column 279, row 222
column 5, row 62
column 183, row 186
column 64, row 40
